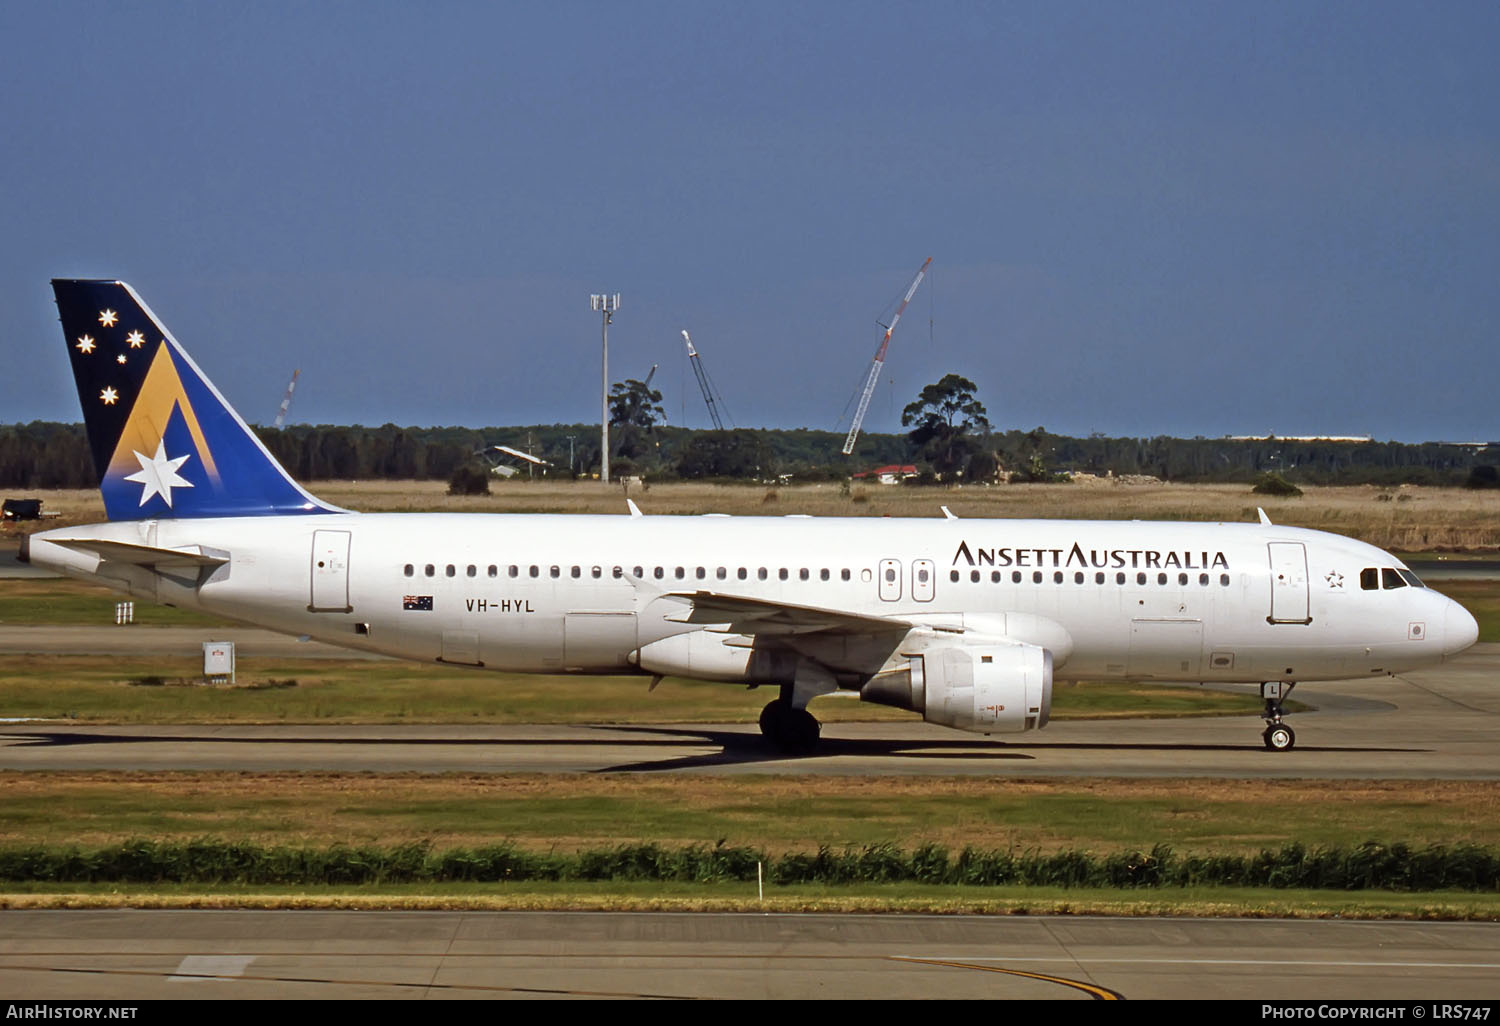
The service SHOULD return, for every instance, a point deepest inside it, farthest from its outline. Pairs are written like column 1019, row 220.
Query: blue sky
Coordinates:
column 1184, row 218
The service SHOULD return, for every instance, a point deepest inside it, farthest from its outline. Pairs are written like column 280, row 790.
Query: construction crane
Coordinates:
column 286, row 400
column 711, row 395
column 874, row 378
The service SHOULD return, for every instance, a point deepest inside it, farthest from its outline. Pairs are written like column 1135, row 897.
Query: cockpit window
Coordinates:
column 1369, row 578
column 1411, row 578
column 1390, row 579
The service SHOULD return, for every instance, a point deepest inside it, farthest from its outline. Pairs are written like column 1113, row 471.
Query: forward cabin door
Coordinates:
column 330, row 572
column 1289, row 593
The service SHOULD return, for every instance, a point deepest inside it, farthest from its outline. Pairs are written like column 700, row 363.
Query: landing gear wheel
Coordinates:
column 792, row 730
column 1279, row 738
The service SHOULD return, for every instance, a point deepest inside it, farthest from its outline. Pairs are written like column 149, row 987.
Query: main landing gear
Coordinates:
column 1278, row 736
column 794, row 731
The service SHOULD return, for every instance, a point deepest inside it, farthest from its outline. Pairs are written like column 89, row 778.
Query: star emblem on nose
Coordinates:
column 1334, row 579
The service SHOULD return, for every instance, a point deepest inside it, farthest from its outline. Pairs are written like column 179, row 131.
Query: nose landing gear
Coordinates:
column 1278, row 737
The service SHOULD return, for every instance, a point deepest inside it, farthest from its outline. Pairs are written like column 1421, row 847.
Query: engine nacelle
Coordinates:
column 990, row 688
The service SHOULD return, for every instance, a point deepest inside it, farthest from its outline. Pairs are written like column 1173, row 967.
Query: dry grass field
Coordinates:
column 1405, row 519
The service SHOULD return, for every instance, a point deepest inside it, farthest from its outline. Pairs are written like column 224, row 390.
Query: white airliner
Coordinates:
column 967, row 622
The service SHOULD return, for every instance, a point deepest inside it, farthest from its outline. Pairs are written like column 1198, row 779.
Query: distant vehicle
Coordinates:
column 21, row 509
column 966, row 622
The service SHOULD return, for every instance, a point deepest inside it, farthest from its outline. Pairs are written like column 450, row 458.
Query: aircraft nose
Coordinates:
column 1460, row 629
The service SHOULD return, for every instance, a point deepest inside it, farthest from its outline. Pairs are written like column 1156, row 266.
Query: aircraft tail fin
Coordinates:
column 165, row 442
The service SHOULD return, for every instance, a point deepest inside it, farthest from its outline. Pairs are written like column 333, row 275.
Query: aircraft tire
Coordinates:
column 793, row 731
column 1279, row 738
column 771, row 718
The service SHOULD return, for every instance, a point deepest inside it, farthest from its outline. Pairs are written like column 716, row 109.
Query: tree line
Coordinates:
column 951, row 440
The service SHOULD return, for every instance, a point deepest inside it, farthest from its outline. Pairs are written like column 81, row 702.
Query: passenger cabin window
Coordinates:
column 515, row 571
column 472, row 570
column 450, row 571
column 494, row 570
column 428, row 570
column 890, row 575
column 410, row 570
column 577, row 572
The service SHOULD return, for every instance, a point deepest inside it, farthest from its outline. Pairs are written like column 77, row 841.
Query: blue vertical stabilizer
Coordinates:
column 165, row 442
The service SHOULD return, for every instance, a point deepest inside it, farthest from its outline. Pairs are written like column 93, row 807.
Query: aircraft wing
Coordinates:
column 763, row 616
column 141, row 555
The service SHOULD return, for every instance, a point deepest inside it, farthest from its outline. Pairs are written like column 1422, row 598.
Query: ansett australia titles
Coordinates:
column 1099, row 559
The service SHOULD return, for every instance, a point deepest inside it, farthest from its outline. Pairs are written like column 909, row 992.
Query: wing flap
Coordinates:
column 746, row 615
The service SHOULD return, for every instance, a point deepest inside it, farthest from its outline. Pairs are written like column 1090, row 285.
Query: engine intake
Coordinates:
column 998, row 688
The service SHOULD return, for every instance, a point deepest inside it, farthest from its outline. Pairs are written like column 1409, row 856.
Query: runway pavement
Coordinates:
column 130, row 955
column 1439, row 723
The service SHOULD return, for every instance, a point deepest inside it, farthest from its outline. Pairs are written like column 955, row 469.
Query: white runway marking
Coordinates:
column 198, row 968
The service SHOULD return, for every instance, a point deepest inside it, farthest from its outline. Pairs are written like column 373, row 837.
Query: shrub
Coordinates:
column 1271, row 483
column 469, row 479
column 1483, row 477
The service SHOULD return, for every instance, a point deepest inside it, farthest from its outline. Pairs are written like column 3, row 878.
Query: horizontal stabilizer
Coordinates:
column 141, row 555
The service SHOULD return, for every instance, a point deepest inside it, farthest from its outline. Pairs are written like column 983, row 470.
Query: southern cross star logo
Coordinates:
column 86, row 344
column 136, row 339
column 1334, row 579
column 108, row 396
column 158, row 474
column 108, row 318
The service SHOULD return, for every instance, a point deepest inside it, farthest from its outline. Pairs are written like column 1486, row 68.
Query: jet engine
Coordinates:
column 1000, row 687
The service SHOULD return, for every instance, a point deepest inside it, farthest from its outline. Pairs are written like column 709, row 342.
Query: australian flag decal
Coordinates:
column 417, row 602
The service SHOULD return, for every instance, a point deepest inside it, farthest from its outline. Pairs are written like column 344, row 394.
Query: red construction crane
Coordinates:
column 864, row 399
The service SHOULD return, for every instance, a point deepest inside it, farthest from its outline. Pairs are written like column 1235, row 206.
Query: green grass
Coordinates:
column 544, row 812
column 742, row 897
column 76, row 604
